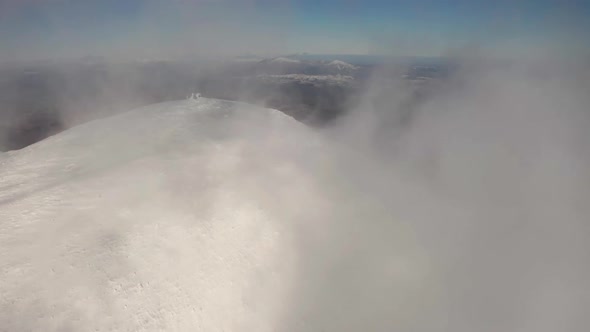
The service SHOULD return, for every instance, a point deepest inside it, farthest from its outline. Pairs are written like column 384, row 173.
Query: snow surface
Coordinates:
column 196, row 215
column 141, row 222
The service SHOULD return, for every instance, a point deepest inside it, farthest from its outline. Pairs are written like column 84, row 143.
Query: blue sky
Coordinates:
column 160, row 28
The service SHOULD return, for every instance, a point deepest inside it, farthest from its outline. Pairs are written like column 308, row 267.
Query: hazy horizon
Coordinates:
column 41, row 29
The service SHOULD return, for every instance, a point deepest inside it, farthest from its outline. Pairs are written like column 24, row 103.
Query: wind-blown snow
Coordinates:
column 209, row 215
column 198, row 215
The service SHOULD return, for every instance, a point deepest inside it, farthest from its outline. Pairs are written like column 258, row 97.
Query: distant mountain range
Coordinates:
column 40, row 99
column 288, row 65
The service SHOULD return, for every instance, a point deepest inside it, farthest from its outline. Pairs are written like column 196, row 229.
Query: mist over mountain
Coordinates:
column 39, row 100
column 294, row 165
column 407, row 212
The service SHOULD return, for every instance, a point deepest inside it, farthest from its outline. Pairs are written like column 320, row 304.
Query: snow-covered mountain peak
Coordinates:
column 158, row 218
column 341, row 65
column 194, row 215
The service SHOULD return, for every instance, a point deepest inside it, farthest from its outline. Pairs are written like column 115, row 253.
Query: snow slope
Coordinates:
column 141, row 222
column 198, row 215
